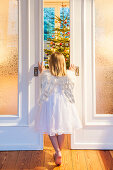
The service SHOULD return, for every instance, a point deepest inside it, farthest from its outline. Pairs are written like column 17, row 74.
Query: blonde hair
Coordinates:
column 57, row 65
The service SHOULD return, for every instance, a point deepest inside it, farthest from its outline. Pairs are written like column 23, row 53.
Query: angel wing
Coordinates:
column 50, row 82
column 47, row 85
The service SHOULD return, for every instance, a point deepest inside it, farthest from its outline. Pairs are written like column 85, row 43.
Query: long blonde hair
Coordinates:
column 57, row 65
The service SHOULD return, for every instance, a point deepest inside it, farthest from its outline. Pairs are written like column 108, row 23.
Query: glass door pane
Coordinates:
column 104, row 56
column 8, row 57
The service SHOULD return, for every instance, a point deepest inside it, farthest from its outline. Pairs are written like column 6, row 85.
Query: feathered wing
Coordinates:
column 49, row 83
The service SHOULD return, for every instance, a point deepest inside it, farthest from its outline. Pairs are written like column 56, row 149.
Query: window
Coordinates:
column 56, row 29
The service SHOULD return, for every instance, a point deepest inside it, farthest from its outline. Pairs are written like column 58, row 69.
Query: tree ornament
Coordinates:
column 51, row 42
column 60, row 43
column 65, row 21
column 68, row 33
column 68, row 51
column 52, row 35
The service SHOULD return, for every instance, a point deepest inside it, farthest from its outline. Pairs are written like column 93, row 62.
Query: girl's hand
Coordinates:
column 41, row 67
column 72, row 67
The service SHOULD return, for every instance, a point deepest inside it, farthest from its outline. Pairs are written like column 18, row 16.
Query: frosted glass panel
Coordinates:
column 8, row 57
column 104, row 56
column 56, row 29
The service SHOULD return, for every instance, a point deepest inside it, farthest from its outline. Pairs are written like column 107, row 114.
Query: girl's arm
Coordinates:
column 41, row 67
column 72, row 67
column 72, row 71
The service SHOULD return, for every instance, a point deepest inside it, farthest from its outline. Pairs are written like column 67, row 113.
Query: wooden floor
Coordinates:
column 71, row 159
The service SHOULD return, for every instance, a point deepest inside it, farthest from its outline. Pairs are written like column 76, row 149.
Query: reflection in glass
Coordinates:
column 8, row 57
column 56, row 29
column 104, row 56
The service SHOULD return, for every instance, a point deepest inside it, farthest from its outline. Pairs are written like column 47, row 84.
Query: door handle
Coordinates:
column 77, row 71
column 35, row 71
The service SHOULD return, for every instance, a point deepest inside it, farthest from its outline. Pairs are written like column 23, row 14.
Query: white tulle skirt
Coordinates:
column 57, row 116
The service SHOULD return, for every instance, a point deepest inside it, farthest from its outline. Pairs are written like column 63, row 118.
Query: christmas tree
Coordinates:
column 60, row 40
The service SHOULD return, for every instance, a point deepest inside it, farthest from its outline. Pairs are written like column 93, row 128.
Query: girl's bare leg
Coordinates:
column 55, row 143
column 60, row 139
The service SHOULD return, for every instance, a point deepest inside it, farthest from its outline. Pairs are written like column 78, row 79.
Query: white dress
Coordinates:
column 57, row 112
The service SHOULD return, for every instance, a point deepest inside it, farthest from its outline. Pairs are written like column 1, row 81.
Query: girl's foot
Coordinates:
column 57, row 158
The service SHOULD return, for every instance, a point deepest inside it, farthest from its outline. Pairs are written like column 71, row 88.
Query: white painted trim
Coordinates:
column 96, row 146
column 23, row 62
column 75, row 49
column 42, row 30
column 71, row 31
column 21, row 147
column 82, row 60
column 31, row 59
column 35, row 55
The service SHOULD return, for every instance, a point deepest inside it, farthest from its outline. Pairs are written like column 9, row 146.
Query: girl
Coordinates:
column 57, row 113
